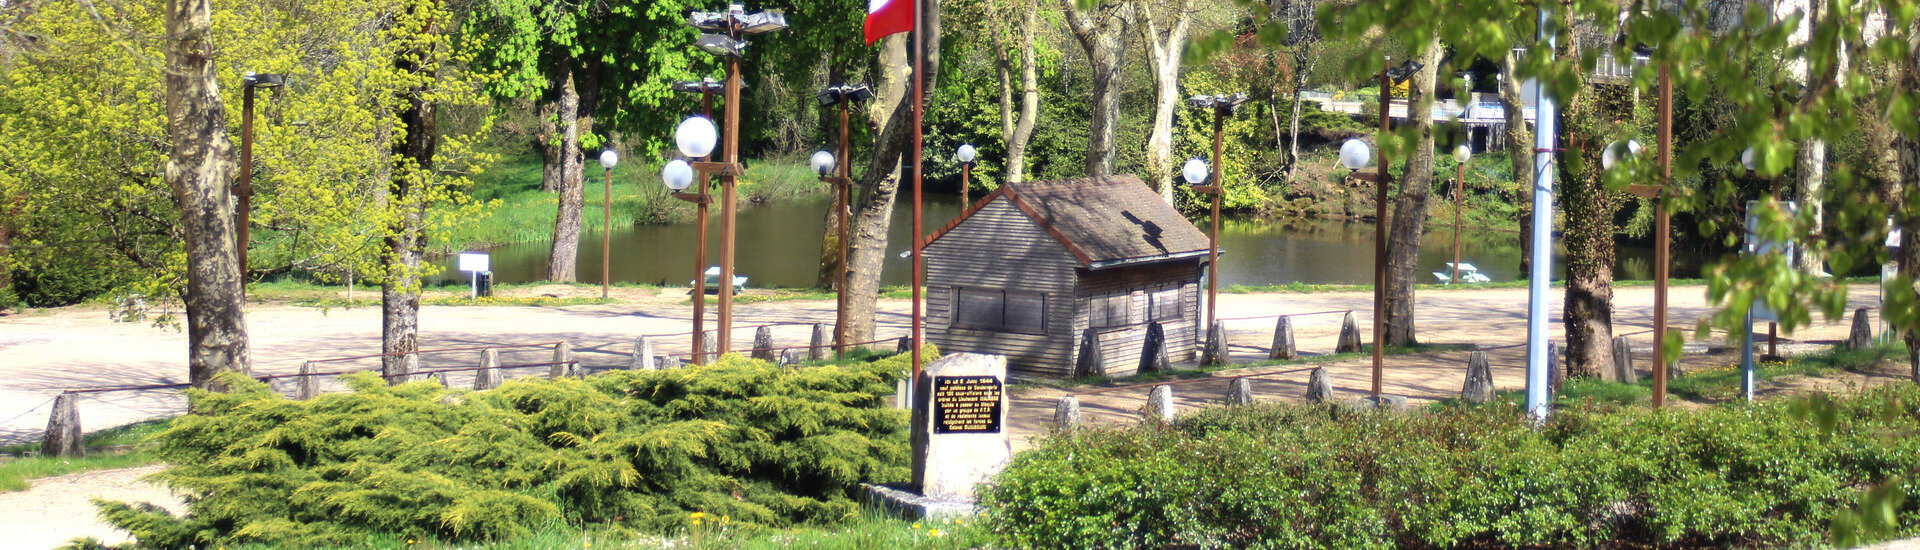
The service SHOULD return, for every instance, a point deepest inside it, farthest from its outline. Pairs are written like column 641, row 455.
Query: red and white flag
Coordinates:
column 886, row 17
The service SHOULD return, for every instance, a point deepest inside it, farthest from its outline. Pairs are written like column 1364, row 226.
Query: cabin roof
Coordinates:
column 1103, row 221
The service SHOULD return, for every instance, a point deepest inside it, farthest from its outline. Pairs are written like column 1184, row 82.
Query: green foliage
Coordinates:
column 1313, row 476
column 751, row 441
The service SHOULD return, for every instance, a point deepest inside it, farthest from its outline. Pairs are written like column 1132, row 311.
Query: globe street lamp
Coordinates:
column 608, row 159
column 966, row 155
column 707, row 88
column 244, row 188
column 1222, row 105
column 1461, row 154
column 723, row 35
column 843, row 96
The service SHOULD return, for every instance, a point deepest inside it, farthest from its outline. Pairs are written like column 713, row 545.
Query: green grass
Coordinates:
column 121, row 447
column 521, row 212
column 1366, row 350
column 1718, row 384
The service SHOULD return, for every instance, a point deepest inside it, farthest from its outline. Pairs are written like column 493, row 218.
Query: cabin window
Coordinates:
column 1111, row 310
column 1164, row 305
column 999, row 310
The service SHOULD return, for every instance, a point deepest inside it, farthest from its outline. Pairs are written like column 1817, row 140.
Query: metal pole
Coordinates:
column 1459, row 196
column 1661, row 230
column 606, row 232
column 700, row 251
column 919, row 92
column 844, row 199
column 1380, row 238
column 1543, row 148
column 727, row 204
column 1213, row 238
column 245, row 188
column 1746, row 357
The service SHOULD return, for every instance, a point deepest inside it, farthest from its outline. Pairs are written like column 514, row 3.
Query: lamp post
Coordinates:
column 722, row 36
column 608, row 159
column 244, row 188
column 1222, row 105
column 966, row 155
column 707, row 88
column 1461, row 154
column 844, row 97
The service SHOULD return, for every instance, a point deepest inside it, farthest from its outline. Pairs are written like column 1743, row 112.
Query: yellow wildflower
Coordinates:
column 935, row 533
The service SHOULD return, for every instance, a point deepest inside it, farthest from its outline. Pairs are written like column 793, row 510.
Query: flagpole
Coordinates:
column 919, row 85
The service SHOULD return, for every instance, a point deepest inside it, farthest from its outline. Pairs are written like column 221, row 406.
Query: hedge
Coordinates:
column 1317, row 476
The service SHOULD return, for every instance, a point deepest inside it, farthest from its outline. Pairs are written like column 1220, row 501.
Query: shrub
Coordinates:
column 1312, row 476
column 754, row 442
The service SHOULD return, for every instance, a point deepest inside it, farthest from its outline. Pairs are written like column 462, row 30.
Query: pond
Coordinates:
column 779, row 246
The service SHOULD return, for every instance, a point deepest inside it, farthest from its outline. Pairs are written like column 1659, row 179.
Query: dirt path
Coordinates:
column 58, row 509
column 44, row 353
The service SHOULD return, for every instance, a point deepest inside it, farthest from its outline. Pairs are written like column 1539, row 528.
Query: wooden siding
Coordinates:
column 999, row 247
column 1121, row 345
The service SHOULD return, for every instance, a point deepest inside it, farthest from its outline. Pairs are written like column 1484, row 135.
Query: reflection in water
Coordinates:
column 779, row 246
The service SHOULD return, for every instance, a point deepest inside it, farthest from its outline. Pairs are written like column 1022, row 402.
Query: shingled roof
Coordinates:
column 1102, row 221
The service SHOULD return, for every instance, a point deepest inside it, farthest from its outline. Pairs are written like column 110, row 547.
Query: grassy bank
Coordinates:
column 120, row 447
column 1721, row 382
column 521, row 212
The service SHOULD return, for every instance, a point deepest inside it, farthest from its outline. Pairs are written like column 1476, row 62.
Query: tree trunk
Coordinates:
column 551, row 173
column 1589, row 227
column 1520, row 153
column 405, row 243
column 563, row 261
column 1164, row 60
column 1029, row 97
column 1102, row 33
column 874, row 212
column 1410, row 208
column 1302, row 63
column 1909, row 147
column 199, row 173
column 1811, row 161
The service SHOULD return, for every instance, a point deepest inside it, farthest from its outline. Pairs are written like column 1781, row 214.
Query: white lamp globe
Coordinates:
column 1195, row 171
column 696, row 137
column 966, row 153
column 1354, row 154
column 1746, row 159
column 1462, row 154
column 1634, row 148
column 677, row 174
column 1615, row 152
column 608, row 159
column 822, row 163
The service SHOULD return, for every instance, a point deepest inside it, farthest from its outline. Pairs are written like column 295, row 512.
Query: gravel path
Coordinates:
column 58, row 509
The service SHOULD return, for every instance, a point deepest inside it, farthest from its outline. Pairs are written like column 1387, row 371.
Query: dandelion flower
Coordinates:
column 934, row 533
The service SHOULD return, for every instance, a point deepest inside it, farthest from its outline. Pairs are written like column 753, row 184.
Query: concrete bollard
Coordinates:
column 1160, row 403
column 1349, row 335
column 409, row 364
column 488, row 377
column 710, row 341
column 1623, row 361
column 1479, row 385
column 821, row 343
column 1066, row 413
column 562, row 361
column 906, row 345
column 1214, row 352
column 763, row 344
column 439, row 377
column 642, row 355
column 63, row 429
column 307, row 386
column 1319, row 386
column 668, row 362
column 789, row 358
column 1240, row 392
column 1861, row 337
column 1089, row 362
column 1282, row 340
column 1153, row 350
column 1556, row 369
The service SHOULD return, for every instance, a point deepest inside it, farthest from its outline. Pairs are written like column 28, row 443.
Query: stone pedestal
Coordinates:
column 960, row 437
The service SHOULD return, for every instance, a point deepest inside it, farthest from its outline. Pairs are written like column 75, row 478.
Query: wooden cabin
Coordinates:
column 1032, row 266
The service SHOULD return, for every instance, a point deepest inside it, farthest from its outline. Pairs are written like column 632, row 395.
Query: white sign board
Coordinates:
column 474, row 262
column 1756, row 246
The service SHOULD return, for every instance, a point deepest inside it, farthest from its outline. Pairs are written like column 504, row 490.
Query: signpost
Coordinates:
column 1759, row 309
column 474, row 263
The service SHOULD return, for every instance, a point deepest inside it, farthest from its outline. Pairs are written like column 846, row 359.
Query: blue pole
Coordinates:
column 1746, row 357
column 1543, row 140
